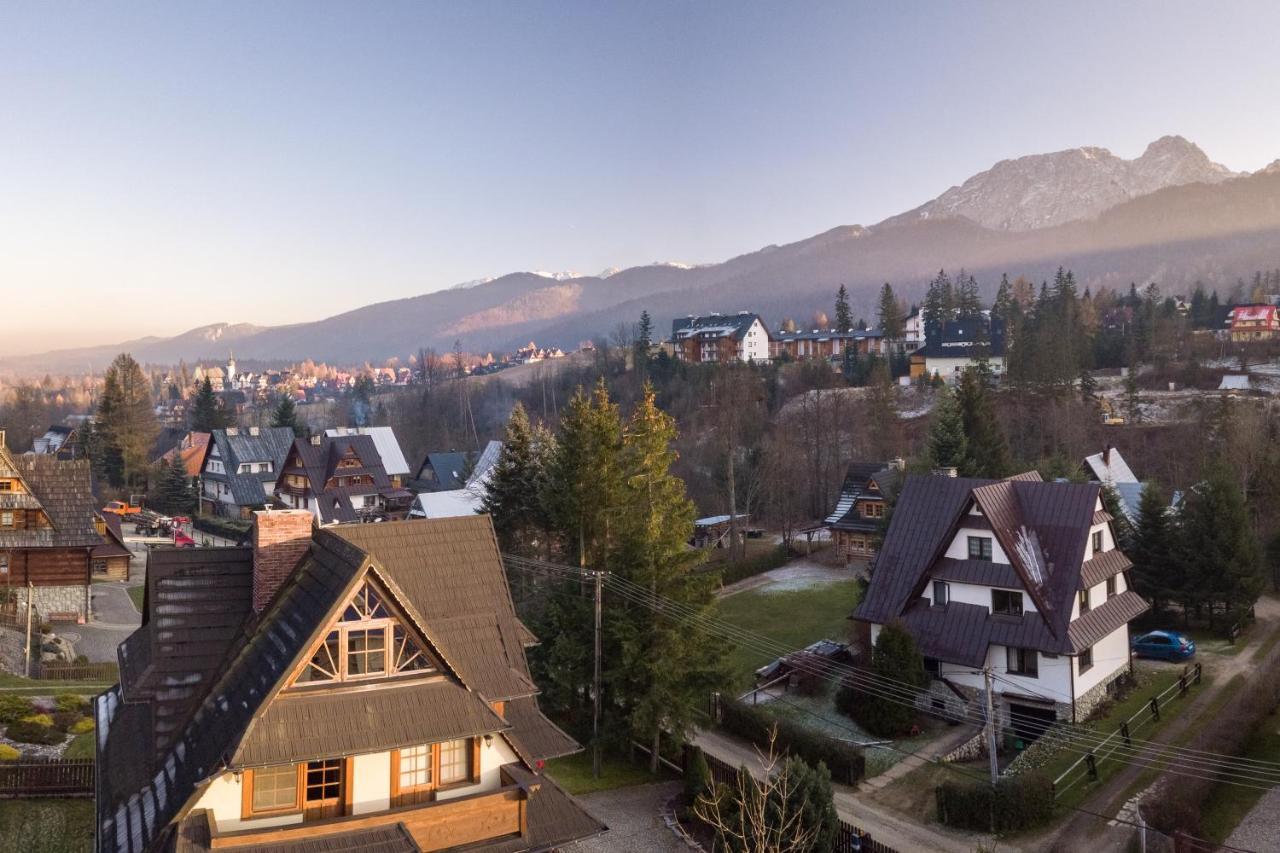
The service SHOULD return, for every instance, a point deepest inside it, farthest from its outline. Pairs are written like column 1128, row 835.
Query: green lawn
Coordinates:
column 30, row 687
column 81, row 746
column 46, row 826
column 573, row 772
column 136, row 593
column 793, row 617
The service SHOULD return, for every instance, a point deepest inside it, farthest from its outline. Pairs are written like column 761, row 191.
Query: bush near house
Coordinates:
column 227, row 528
column 82, row 726
column 1013, row 804
column 847, row 762
column 34, row 730
column 14, row 708
column 8, row 753
column 71, row 702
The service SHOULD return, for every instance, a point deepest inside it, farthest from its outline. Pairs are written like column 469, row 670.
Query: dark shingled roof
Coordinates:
column 320, row 464
column 1043, row 528
column 1102, row 566
column 714, row 325
column 271, row 444
column 445, row 575
column 195, row 836
column 113, row 543
column 555, row 818
column 534, row 736
column 450, row 469
column 857, row 485
column 64, row 490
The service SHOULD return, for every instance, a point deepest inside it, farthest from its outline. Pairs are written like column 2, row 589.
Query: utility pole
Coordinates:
column 595, row 721
column 991, row 728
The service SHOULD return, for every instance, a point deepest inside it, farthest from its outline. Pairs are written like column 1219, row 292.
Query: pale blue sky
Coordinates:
column 167, row 165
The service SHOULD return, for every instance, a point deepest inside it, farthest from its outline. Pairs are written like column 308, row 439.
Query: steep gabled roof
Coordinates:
column 857, row 484
column 269, row 444
column 445, row 576
column 320, row 463
column 733, row 326
column 1043, row 528
column 63, row 490
column 1109, row 468
column 384, row 438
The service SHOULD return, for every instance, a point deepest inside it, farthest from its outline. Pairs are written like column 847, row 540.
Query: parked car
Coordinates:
column 1164, row 645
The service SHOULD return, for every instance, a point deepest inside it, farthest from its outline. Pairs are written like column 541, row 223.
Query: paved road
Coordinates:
column 1260, row 829
column 633, row 816
column 114, row 619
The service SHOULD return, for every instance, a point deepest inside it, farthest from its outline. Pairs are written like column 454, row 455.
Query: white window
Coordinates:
column 455, row 761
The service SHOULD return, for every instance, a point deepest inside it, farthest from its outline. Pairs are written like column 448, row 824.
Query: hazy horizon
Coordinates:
column 174, row 167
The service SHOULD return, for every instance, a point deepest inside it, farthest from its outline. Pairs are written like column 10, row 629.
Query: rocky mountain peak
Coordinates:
column 1043, row 190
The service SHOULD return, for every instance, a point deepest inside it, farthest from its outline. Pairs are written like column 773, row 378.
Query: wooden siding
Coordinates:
column 434, row 826
column 50, row 566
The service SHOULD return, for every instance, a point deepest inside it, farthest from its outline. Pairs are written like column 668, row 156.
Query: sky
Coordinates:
column 165, row 166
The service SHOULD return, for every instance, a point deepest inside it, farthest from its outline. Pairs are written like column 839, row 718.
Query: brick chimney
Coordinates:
column 280, row 538
column 1106, row 455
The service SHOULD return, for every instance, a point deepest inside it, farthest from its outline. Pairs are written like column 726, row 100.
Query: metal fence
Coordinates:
column 47, row 777
column 104, row 671
column 1086, row 767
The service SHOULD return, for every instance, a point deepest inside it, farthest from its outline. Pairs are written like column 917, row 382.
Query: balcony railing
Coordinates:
column 437, row 825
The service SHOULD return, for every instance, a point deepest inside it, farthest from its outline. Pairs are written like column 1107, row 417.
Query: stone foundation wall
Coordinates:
column 972, row 748
column 56, row 599
column 12, row 658
column 1086, row 704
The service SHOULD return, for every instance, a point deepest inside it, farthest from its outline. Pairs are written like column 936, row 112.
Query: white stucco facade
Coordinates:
column 755, row 343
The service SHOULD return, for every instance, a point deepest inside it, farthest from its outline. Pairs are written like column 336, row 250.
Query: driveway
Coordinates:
column 800, row 573
column 634, row 818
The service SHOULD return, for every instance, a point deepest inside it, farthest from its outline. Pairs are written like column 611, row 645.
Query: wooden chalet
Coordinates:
column 239, row 469
column 110, row 560
column 47, row 533
column 359, row 687
column 340, row 479
column 860, row 510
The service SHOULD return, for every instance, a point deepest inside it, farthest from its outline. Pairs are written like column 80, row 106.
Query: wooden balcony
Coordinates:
column 437, row 825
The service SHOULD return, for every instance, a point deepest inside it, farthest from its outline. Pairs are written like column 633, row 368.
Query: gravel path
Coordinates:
column 633, row 816
column 800, row 573
column 1260, row 829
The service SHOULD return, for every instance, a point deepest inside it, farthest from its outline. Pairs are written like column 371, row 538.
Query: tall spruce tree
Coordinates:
column 286, row 415
column 1218, row 549
column 1155, row 572
column 207, row 412
column 844, row 317
column 988, row 448
column 584, row 479
column 889, row 313
column 126, row 423
column 654, row 529
column 173, row 494
column 948, row 447
column 517, row 488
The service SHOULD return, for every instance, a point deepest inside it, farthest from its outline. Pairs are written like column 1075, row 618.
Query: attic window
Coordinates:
column 368, row 641
column 6, row 485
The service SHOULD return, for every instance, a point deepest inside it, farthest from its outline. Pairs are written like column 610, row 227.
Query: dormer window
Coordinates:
column 1006, row 602
column 980, row 548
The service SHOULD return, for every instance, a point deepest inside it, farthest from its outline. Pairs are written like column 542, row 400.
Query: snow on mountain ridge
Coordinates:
column 1042, row 190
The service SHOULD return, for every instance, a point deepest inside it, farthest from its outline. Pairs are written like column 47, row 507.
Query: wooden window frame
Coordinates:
column 1111, row 587
column 1026, row 661
column 1084, row 660
column 1082, row 598
column 436, row 784
column 247, row 810
column 986, row 550
column 1097, row 541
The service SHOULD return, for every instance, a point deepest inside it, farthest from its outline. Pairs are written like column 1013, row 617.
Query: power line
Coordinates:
column 1175, row 760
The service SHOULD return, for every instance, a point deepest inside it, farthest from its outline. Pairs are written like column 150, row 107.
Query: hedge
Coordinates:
column 757, row 565
column 14, row 708
column 846, row 761
column 1013, row 804
column 228, row 528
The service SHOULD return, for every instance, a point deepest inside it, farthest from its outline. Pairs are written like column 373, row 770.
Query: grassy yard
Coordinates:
column 794, row 617
column 573, row 772
column 1154, row 682
column 46, row 826
column 81, row 746
column 30, row 687
column 136, row 593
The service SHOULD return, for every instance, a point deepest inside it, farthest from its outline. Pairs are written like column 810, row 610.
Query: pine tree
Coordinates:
column 1218, row 550
column 517, row 488
column 584, row 478
column 968, row 303
column 882, row 412
column 894, row 657
column 890, row 314
column 988, row 449
column 286, row 415
column 207, row 412
column 948, row 447
column 173, row 494
column 126, row 423
column 1154, row 568
column 654, row 528
column 1004, row 304
column 844, row 317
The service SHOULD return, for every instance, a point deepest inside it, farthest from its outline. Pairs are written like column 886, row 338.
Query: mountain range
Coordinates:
column 1171, row 216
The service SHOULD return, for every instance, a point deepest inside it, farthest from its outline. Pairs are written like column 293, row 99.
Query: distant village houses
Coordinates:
column 1253, row 323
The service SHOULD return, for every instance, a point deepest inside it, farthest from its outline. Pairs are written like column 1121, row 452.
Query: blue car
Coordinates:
column 1165, row 645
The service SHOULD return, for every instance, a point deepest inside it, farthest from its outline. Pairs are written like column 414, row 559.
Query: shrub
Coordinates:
column 8, row 753
column 752, row 566
column 70, row 702
column 30, row 730
column 847, row 762
column 13, row 708
column 1014, row 804
column 39, row 720
column 895, row 659
column 46, row 627
column 64, row 720
column 81, row 660
column 697, row 775
column 81, row 726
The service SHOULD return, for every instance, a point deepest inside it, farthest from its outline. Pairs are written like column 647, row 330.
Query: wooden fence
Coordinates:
column 849, row 838
column 1086, row 767
column 48, row 777
column 104, row 671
